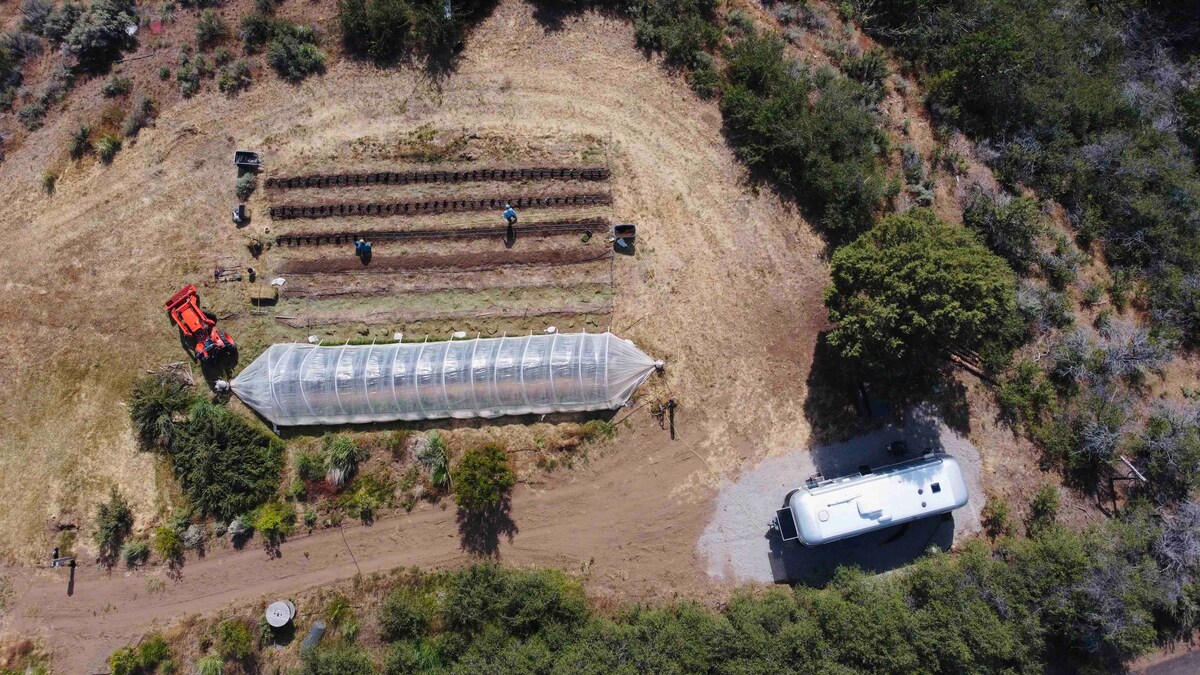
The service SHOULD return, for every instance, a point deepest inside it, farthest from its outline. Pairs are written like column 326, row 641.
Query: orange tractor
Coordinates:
column 199, row 328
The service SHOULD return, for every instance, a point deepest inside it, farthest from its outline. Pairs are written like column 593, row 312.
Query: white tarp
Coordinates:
column 293, row 384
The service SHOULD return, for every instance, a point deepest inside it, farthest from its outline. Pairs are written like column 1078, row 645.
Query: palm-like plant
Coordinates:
column 342, row 456
column 435, row 460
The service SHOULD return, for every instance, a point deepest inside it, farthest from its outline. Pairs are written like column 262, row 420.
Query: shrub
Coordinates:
column 135, row 552
column 164, row 73
column 336, row 660
column 98, row 36
column 107, row 147
column 246, row 186
column 811, row 136
column 1043, row 510
column 378, row 29
column 21, row 45
column 1167, row 452
column 210, row 29
column 436, row 460
column 910, row 288
column 997, row 517
column 49, row 179
column 114, row 521
column 210, row 665
column 153, row 651
column 256, row 30
column 157, row 400
column 310, row 465
column 59, row 22
column 684, row 32
column 404, row 614
column 482, row 479
column 140, row 116
column 224, row 465
column 1026, row 396
column 342, row 456
column 294, row 59
column 234, row 640
column 1009, row 226
column 274, row 522
column 34, row 14
column 594, row 431
column 31, row 114
column 124, row 661
column 870, row 70
column 117, row 85
column 167, row 544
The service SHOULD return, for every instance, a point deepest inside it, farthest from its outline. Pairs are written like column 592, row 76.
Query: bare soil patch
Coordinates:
column 449, row 261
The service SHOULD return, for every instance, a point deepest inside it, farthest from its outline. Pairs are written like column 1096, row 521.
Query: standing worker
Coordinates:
column 510, row 215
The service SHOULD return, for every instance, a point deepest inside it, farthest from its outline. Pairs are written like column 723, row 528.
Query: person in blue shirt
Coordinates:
column 510, row 215
column 362, row 248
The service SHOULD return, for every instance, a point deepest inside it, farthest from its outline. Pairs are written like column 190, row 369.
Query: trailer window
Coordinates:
column 936, row 487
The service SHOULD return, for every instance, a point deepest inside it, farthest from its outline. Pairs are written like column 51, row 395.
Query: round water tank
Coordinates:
column 279, row 614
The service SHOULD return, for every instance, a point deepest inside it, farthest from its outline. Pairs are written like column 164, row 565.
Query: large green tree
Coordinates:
column 913, row 287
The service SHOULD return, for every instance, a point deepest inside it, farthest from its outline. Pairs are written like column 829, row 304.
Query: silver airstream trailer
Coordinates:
column 826, row 510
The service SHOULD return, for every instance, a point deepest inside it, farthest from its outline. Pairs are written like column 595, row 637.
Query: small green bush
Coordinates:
column 405, row 614
column 107, row 147
column 210, row 665
column 49, row 180
column 235, row 642
column 31, row 114
column 256, row 30
column 114, row 521
column 135, row 552
column 482, row 478
column 336, row 660
column 310, row 465
column 168, row 545
column 595, row 431
column 124, row 661
column 153, row 651
column 1043, row 510
column 164, row 73
column 997, row 517
column 294, row 59
column 274, row 521
column 140, row 116
column 117, row 85
column 436, row 460
column 60, row 21
column 342, row 457
column 210, row 29
column 156, row 403
column 246, row 185
column 81, row 141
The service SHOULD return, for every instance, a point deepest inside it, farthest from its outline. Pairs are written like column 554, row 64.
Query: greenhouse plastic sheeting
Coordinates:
column 292, row 384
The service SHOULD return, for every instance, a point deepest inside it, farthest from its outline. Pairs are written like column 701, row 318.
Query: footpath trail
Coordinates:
column 636, row 549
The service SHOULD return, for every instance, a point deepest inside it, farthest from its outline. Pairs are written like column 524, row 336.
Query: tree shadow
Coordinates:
column 841, row 402
column 480, row 531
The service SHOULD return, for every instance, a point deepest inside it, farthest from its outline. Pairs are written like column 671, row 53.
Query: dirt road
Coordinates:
column 615, row 511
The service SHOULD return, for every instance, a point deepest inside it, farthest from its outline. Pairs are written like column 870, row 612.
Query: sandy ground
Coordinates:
column 740, row 545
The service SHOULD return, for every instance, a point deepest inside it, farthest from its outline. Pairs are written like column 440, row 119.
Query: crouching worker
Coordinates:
column 362, row 249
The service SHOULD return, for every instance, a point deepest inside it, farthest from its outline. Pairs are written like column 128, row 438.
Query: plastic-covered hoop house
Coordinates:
column 295, row 384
